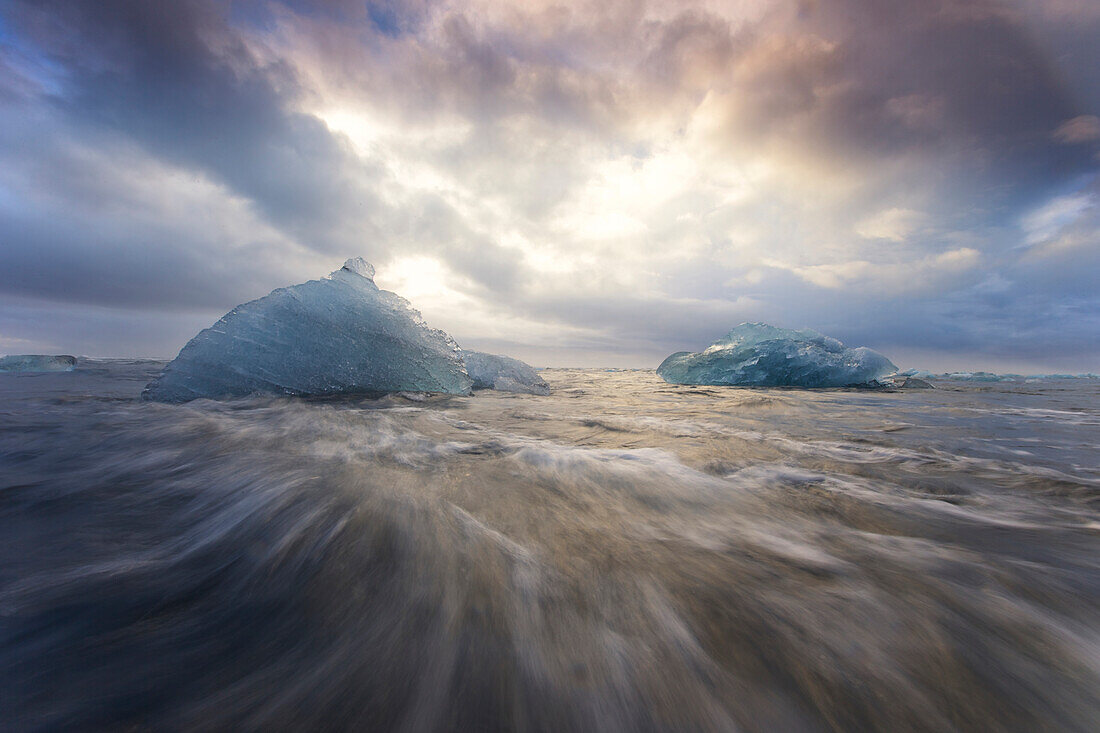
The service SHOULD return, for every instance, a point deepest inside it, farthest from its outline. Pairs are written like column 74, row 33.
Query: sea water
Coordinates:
column 623, row 554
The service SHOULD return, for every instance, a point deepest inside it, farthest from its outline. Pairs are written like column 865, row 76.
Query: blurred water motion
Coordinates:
column 621, row 555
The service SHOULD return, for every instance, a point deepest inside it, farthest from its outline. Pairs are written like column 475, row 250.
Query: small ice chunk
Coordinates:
column 759, row 355
column 503, row 373
column 37, row 363
column 340, row 334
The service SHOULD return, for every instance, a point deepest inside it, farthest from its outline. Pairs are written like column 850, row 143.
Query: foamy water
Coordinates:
column 621, row 555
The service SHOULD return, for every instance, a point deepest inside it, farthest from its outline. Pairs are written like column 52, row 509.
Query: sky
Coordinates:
column 573, row 183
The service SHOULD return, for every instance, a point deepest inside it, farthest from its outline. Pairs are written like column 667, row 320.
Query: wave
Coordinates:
column 477, row 564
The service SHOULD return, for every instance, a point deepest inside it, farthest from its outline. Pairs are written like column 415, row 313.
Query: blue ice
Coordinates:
column 759, row 355
column 37, row 363
column 503, row 373
column 339, row 334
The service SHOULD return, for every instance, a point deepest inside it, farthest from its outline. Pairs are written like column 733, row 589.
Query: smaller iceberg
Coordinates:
column 341, row 334
column 759, row 355
column 503, row 373
column 37, row 363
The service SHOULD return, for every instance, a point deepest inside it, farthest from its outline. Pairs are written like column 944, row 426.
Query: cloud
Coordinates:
column 600, row 177
column 1053, row 216
column 929, row 274
column 1080, row 129
column 1064, row 251
column 120, row 228
column 178, row 81
column 894, row 224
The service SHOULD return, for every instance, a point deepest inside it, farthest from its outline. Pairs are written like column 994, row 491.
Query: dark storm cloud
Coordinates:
column 175, row 78
column 867, row 81
column 1000, row 96
column 88, row 218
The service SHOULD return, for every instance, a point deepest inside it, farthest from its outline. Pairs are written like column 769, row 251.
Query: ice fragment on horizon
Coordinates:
column 980, row 377
column 340, row 334
column 37, row 363
column 759, row 355
column 503, row 373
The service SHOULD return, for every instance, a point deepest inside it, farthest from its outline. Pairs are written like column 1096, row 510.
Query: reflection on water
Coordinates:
column 621, row 555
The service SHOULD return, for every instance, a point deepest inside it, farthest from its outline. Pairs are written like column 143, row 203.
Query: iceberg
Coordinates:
column 339, row 334
column 37, row 363
column 759, row 355
column 503, row 373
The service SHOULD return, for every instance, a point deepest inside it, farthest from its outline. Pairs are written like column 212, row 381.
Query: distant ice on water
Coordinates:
column 37, row 363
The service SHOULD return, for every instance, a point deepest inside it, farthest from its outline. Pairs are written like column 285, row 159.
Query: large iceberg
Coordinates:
column 759, row 355
column 340, row 334
column 37, row 363
column 503, row 373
